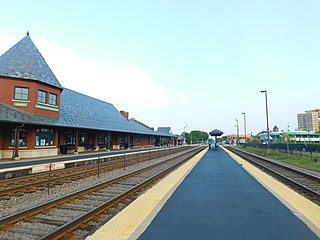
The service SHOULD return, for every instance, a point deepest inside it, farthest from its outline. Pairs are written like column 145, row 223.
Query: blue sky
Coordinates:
column 191, row 63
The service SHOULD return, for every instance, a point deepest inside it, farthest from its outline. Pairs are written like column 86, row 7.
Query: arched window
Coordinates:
column 44, row 137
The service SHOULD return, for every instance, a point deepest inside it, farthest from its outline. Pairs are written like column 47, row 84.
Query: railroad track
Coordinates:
column 73, row 216
column 300, row 181
column 28, row 184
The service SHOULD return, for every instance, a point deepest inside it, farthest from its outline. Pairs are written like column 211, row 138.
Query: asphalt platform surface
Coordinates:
column 220, row 200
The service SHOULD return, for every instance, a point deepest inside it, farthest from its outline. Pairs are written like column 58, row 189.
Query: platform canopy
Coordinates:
column 215, row 133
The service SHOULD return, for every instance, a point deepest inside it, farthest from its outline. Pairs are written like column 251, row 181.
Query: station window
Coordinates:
column 70, row 137
column 44, row 137
column 42, row 96
column 102, row 138
column 84, row 138
column 21, row 93
column 22, row 138
column 53, row 99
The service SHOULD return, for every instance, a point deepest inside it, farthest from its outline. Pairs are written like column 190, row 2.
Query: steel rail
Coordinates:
column 68, row 174
column 298, row 186
column 59, row 232
column 11, row 219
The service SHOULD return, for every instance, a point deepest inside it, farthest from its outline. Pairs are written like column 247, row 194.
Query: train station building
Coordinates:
column 39, row 117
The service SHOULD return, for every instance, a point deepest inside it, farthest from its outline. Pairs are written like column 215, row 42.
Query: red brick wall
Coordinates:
column 134, row 142
column 7, row 95
column 147, row 142
column 115, row 139
column 31, row 137
column 60, row 137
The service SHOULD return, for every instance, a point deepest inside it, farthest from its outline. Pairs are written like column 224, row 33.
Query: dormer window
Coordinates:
column 42, row 96
column 21, row 93
column 47, row 101
column 53, row 99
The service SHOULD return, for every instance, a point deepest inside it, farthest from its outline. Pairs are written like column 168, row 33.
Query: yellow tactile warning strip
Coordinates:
column 306, row 210
column 132, row 221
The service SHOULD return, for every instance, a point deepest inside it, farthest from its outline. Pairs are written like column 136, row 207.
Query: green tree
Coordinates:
column 196, row 136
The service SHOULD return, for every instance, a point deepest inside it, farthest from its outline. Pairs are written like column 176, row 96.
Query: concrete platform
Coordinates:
column 219, row 199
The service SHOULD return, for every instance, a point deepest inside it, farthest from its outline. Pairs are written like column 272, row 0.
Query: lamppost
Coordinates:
column 245, row 126
column 268, row 134
column 237, row 132
column 184, row 134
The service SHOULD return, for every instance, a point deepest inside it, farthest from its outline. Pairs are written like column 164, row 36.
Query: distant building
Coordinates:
column 164, row 130
column 309, row 121
column 233, row 138
column 297, row 136
column 275, row 129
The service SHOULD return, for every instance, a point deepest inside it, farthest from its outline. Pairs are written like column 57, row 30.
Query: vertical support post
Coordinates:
column 267, row 117
column 124, row 161
column 49, row 177
column 77, row 142
column 98, row 166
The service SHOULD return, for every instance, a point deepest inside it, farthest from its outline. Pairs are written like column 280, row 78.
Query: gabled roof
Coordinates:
column 25, row 61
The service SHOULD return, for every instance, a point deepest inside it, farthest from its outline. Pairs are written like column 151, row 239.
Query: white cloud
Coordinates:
column 121, row 85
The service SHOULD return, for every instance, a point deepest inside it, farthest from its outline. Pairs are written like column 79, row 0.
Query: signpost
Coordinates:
column 48, row 167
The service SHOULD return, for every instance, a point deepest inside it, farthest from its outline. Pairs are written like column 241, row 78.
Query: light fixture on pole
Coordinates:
column 245, row 126
column 237, row 132
column 268, row 134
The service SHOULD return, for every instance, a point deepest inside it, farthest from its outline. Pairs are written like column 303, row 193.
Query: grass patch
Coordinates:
column 306, row 162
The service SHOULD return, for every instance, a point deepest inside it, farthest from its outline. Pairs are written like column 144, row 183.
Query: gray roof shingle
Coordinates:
column 25, row 61
column 80, row 111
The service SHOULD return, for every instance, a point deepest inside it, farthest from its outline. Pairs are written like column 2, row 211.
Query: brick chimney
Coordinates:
column 125, row 114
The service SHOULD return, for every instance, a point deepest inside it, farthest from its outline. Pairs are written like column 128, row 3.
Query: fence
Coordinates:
column 311, row 149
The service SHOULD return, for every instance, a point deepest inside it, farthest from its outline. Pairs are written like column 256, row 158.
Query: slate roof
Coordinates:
column 164, row 129
column 14, row 115
column 25, row 61
column 80, row 111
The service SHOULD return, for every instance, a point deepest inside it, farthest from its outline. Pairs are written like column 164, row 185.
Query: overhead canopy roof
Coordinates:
column 215, row 132
column 80, row 111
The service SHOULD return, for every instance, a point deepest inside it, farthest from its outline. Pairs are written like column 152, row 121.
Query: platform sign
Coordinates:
column 46, row 167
